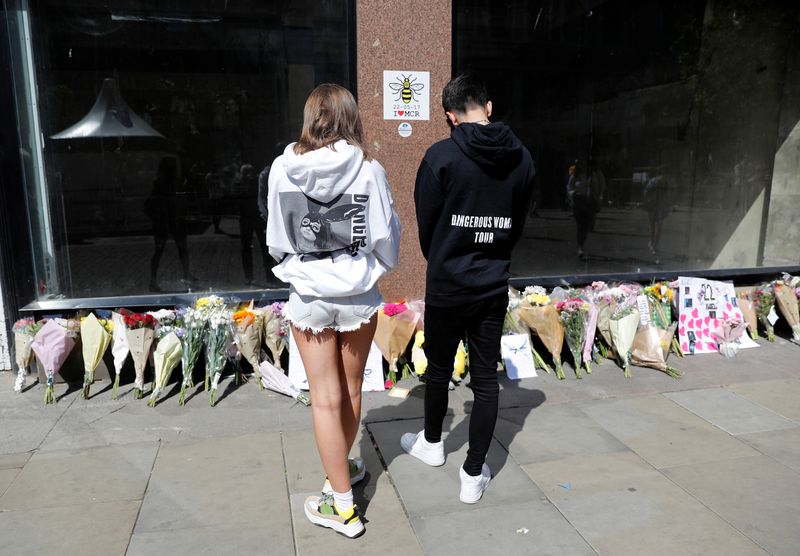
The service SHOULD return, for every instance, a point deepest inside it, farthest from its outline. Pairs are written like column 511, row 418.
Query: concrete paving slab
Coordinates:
column 100, row 529
column 209, row 541
column 14, row 461
column 428, row 490
column 535, row 527
column 81, row 477
column 783, row 446
column 621, row 505
column 388, row 529
column 757, row 495
column 552, row 432
column 379, row 406
column 221, row 481
column 730, row 412
column 662, row 432
column 780, row 396
column 7, row 477
column 26, row 420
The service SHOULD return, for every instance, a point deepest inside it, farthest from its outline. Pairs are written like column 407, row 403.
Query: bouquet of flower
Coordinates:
column 574, row 313
column 660, row 296
column 191, row 331
column 605, row 308
column 165, row 359
column 248, row 334
column 140, row 332
column 274, row 379
column 651, row 346
column 786, row 300
column 748, row 310
column 727, row 333
column 52, row 345
column 513, row 323
column 544, row 322
column 95, row 337
column 119, row 345
column 590, row 329
column 418, row 358
column 396, row 326
column 218, row 332
column 764, row 303
column 276, row 330
column 623, row 325
column 24, row 332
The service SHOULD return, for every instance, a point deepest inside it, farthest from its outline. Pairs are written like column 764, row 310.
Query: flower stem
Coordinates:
column 559, row 369
column 115, row 390
column 137, row 393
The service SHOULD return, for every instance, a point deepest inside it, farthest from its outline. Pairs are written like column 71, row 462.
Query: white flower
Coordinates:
column 531, row 290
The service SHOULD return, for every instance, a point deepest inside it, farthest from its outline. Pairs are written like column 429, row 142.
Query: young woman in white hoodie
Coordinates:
column 334, row 232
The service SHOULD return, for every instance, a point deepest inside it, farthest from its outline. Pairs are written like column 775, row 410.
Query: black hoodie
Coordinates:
column 472, row 195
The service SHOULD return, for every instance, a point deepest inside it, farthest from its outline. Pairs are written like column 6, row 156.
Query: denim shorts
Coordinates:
column 343, row 314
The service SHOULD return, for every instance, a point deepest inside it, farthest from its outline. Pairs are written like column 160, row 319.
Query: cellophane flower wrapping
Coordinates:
column 748, row 309
column 763, row 298
column 573, row 314
column 726, row 333
column 248, row 334
column 192, row 328
column 24, row 331
column 166, row 357
column 396, row 326
column 95, row 339
column 274, row 379
column 276, row 331
column 786, row 300
column 119, row 347
column 52, row 345
column 140, row 332
column 544, row 322
column 651, row 346
column 623, row 324
column 460, row 362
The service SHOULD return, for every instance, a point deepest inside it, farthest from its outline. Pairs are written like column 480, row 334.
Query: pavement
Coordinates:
column 708, row 464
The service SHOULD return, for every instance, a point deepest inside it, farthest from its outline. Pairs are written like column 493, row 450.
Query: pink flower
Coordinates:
column 388, row 384
column 392, row 309
column 598, row 285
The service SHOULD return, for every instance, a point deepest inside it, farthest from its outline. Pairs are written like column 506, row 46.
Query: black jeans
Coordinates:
column 482, row 324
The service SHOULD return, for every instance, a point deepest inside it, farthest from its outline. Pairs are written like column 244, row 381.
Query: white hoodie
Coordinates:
column 331, row 224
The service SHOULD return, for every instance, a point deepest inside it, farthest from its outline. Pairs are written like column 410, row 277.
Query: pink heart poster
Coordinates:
column 702, row 304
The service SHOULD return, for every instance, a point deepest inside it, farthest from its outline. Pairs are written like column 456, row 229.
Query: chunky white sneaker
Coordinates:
column 427, row 452
column 472, row 488
column 357, row 472
column 322, row 511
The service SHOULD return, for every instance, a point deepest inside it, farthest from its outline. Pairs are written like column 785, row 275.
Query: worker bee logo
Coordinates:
column 406, row 88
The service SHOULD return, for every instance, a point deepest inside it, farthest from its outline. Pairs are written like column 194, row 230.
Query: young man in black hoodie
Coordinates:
column 472, row 194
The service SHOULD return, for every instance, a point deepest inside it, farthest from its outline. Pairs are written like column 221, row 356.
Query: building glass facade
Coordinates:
column 680, row 118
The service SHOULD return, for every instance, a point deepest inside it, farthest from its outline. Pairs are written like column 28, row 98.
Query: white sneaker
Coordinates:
column 472, row 488
column 417, row 446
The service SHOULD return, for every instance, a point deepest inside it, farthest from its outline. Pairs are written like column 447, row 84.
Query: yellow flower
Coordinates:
column 419, row 339
column 460, row 363
column 538, row 299
column 202, row 302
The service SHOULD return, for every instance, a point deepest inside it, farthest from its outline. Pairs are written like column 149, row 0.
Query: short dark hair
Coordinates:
column 464, row 91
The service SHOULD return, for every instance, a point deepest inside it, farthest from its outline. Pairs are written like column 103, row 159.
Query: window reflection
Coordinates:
column 661, row 129
column 220, row 83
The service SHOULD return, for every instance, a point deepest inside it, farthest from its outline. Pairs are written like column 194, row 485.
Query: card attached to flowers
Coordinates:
column 517, row 356
column 702, row 304
column 373, row 372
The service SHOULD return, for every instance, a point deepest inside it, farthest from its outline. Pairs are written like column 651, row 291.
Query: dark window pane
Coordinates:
column 672, row 122
column 184, row 103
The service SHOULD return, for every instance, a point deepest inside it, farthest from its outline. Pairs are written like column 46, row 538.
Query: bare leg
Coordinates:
column 354, row 347
column 321, row 358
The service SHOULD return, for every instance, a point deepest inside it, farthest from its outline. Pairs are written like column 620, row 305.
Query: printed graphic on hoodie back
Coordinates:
column 314, row 227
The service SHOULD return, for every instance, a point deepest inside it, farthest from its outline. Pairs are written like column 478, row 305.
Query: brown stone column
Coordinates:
column 413, row 35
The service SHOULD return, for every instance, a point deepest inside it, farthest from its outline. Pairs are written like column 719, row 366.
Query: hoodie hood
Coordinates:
column 492, row 146
column 325, row 173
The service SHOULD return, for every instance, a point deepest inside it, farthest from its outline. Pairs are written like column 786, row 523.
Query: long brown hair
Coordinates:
column 330, row 114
